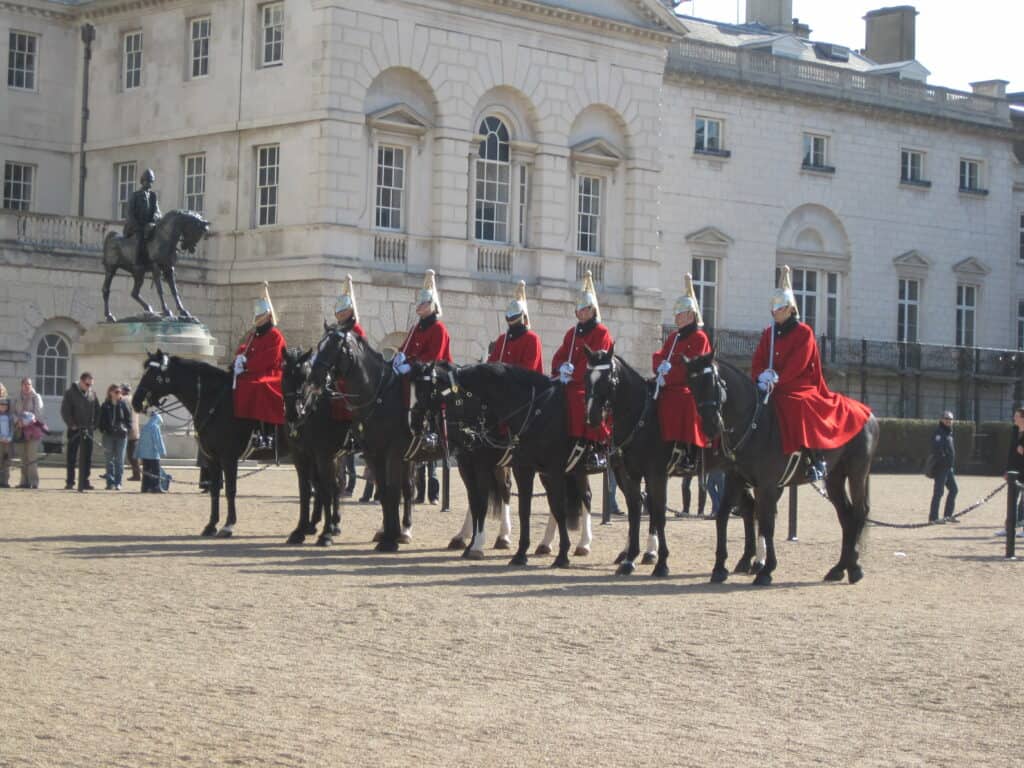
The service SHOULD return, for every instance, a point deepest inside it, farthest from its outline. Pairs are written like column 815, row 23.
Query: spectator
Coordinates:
column 115, row 421
column 6, row 441
column 1015, row 466
column 80, row 412
column 715, row 483
column 944, row 455
column 702, row 496
column 28, row 410
column 133, row 434
column 150, row 449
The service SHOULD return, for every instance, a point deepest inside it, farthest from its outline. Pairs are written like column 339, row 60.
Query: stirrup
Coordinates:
column 816, row 469
column 681, row 460
column 596, row 461
column 578, row 449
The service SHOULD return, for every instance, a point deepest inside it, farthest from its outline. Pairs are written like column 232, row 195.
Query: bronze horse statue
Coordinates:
column 176, row 229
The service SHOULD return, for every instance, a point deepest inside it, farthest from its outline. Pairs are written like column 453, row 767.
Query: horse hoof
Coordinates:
column 581, row 551
column 226, row 532
column 649, row 558
column 335, row 530
column 856, row 574
column 620, row 558
column 626, row 568
column 743, row 566
column 719, row 575
column 324, row 541
column 502, row 542
column 562, row 561
column 660, row 570
column 405, row 538
column 309, row 529
column 836, row 573
column 763, row 579
column 542, row 549
column 111, row 319
column 518, row 560
column 457, row 542
column 386, row 546
column 297, row 537
column 378, row 536
column 210, row 530
column 473, row 554
column 757, row 567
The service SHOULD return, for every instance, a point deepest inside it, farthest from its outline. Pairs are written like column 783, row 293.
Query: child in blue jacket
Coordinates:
column 150, row 449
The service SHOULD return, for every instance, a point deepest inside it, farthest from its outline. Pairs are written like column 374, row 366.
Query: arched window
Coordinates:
column 493, row 172
column 53, row 354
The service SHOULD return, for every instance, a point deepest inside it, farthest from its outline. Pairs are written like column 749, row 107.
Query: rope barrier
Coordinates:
column 992, row 494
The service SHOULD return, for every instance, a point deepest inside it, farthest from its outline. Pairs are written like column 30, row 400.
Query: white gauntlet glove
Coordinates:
column 565, row 372
column 767, row 379
column 240, row 362
column 398, row 363
column 664, row 367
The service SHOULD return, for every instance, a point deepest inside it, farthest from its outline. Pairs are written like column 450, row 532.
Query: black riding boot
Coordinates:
column 816, row 467
column 596, row 458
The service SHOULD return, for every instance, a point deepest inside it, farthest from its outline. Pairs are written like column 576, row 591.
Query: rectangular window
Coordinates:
column 911, row 165
column 705, row 285
column 267, row 166
column 815, row 151
column 831, row 304
column 1020, row 324
column 21, row 61
column 524, row 206
column 273, row 34
column 812, row 290
column 588, row 215
column 194, row 174
column 805, row 290
column 199, row 33
column 970, row 175
column 124, row 186
column 132, row 60
column 492, row 200
column 965, row 305
column 708, row 136
column 18, row 181
column 1020, row 251
column 390, row 187
column 907, row 306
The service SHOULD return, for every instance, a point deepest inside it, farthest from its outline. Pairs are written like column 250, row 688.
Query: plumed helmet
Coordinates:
column 148, row 175
column 588, row 295
column 783, row 296
column 263, row 305
column 429, row 292
column 518, row 304
column 688, row 301
column 347, row 299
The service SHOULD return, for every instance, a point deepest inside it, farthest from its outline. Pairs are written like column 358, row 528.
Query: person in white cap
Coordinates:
column 519, row 345
column 346, row 318
column 787, row 368
column 428, row 340
column 570, row 365
column 257, row 368
column 677, row 410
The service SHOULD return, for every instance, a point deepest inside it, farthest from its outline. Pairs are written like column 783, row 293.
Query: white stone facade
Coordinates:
column 605, row 90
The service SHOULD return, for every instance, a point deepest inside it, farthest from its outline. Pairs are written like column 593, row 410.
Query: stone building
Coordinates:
column 498, row 140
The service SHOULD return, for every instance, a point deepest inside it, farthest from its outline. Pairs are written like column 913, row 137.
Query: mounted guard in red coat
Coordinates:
column 677, row 408
column 346, row 317
column 519, row 345
column 787, row 367
column 570, row 365
column 257, row 370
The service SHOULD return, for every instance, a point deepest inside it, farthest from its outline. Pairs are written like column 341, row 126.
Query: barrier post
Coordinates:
column 446, row 476
column 608, row 498
column 1012, row 492
column 792, row 513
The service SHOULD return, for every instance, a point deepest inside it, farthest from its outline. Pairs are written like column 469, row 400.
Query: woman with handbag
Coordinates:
column 28, row 410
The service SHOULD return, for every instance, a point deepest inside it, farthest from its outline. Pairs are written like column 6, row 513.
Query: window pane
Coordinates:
column 493, row 186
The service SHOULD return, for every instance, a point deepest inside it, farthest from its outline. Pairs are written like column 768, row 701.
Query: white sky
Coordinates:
column 960, row 42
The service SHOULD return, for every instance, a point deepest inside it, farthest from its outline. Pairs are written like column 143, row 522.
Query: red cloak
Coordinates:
column 677, row 409
column 597, row 337
column 258, row 392
column 522, row 350
column 339, row 409
column 810, row 415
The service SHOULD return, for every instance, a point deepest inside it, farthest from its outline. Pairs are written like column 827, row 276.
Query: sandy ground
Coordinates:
column 126, row 640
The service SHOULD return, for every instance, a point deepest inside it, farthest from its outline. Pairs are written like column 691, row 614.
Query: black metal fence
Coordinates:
column 905, row 380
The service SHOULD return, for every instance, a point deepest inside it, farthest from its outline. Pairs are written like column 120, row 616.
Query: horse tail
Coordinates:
column 573, row 500
column 498, row 493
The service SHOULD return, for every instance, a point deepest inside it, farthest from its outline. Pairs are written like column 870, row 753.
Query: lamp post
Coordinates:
column 88, row 35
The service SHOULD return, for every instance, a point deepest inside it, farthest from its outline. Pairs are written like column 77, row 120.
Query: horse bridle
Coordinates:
column 343, row 344
column 721, row 396
column 613, row 383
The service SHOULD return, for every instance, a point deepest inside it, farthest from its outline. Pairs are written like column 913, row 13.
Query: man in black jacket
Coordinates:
column 945, row 458
column 80, row 412
column 143, row 213
column 1015, row 463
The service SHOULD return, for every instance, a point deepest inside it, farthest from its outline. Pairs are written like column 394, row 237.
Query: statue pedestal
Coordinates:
column 114, row 353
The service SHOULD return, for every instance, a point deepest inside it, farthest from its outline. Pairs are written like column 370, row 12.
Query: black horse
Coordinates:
column 519, row 416
column 374, row 395
column 317, row 442
column 639, row 455
column 205, row 391
column 731, row 407
column 184, row 228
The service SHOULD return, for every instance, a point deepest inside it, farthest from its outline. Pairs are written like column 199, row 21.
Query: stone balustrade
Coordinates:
column 44, row 230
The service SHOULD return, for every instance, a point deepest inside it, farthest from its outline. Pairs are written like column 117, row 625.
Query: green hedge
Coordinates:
column 905, row 444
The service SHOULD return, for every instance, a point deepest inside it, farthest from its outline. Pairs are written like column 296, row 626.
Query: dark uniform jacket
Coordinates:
column 1014, row 460
column 943, row 448
column 143, row 209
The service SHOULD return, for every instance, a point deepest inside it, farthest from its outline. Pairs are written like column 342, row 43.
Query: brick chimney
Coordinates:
column 891, row 34
column 994, row 88
column 777, row 15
